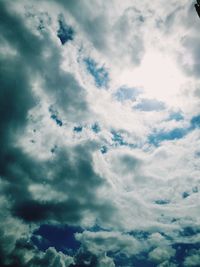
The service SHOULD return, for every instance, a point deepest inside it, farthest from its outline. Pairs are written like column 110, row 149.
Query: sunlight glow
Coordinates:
column 158, row 75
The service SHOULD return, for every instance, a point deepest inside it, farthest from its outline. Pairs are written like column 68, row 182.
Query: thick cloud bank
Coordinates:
column 99, row 133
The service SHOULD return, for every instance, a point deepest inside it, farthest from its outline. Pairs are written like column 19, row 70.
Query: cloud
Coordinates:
column 15, row 160
column 192, row 259
column 176, row 116
column 100, row 242
column 27, row 180
column 65, row 33
column 94, row 177
column 124, row 93
column 61, row 237
column 195, row 122
column 51, row 258
column 132, row 47
column 106, row 262
column 176, row 133
column 160, row 255
column 150, row 105
column 102, row 28
column 99, row 74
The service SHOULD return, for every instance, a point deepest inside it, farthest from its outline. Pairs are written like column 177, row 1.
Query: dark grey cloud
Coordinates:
column 62, row 87
column 69, row 172
column 16, row 96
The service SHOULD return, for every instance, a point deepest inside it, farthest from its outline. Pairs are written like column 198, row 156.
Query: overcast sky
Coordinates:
column 99, row 133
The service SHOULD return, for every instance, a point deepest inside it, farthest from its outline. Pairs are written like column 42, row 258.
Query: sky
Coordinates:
column 99, row 133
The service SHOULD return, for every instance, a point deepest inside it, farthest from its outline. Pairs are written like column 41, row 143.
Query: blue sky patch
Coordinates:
column 162, row 201
column 104, row 149
column 78, row 129
column 185, row 195
column 189, row 231
column 177, row 133
column 96, row 228
column 195, row 122
column 100, row 74
column 174, row 134
column 58, row 121
column 65, row 33
column 140, row 260
column 177, row 116
column 60, row 237
column 118, row 139
column 182, row 250
column 96, row 128
column 140, row 234
column 54, row 116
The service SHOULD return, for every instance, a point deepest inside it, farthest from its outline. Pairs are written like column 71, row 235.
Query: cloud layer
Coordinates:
column 99, row 134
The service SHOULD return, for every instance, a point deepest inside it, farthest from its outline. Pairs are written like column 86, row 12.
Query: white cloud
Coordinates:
column 161, row 254
column 99, row 243
column 106, row 262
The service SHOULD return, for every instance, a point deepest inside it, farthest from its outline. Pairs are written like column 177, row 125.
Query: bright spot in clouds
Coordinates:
column 158, row 75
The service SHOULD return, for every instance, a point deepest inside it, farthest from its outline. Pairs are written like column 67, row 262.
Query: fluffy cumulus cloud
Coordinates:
column 192, row 259
column 99, row 133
